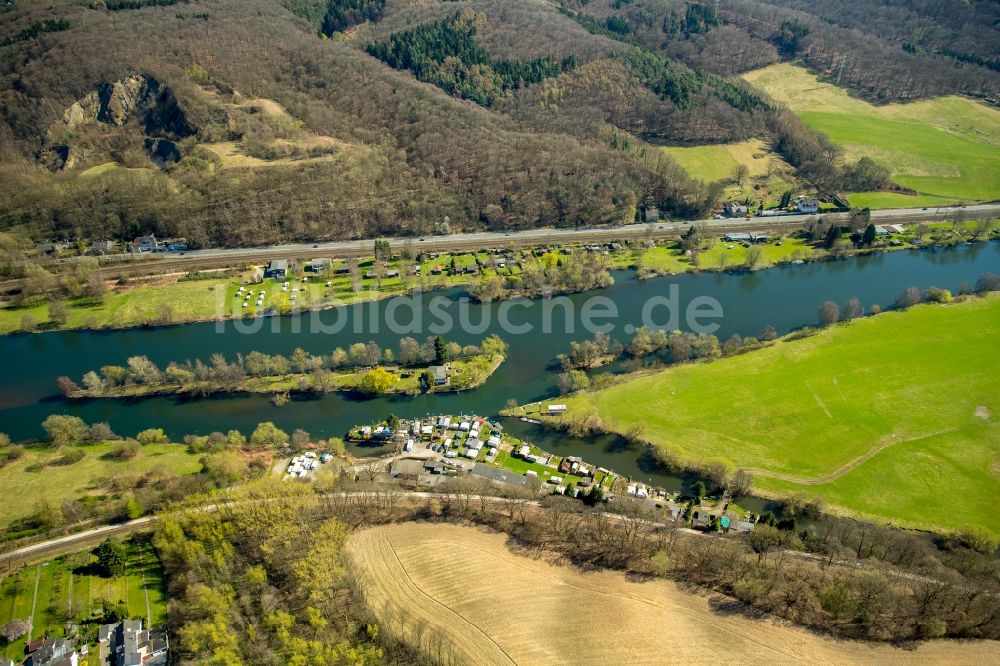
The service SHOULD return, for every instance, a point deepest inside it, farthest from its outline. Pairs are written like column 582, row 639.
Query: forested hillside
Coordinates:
column 235, row 122
column 886, row 50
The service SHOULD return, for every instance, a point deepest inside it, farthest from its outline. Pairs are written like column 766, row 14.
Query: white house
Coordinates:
column 807, row 206
column 557, row 409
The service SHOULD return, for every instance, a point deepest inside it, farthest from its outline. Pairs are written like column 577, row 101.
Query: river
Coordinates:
column 785, row 297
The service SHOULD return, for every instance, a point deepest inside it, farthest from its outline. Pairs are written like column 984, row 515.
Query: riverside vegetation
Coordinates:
column 77, row 297
column 362, row 368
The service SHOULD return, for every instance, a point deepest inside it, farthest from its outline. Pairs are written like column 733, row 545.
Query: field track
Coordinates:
column 466, row 598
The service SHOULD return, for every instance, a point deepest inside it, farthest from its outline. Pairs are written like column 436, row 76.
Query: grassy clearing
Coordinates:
column 669, row 258
column 878, row 416
column 717, row 162
column 460, row 595
column 876, row 200
column 948, row 148
column 70, row 589
column 21, row 488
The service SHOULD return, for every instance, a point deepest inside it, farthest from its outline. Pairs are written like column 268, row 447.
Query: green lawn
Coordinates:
column 718, row 161
column 70, row 589
column 897, row 395
column 947, row 148
column 21, row 488
column 875, row 200
column 670, row 258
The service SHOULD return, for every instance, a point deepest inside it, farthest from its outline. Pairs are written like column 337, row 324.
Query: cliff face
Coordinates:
column 136, row 100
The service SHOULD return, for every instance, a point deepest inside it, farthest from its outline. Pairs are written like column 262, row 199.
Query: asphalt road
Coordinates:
column 147, row 264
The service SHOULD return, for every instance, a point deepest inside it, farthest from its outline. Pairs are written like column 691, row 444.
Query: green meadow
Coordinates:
column 893, row 417
column 946, row 149
column 37, row 476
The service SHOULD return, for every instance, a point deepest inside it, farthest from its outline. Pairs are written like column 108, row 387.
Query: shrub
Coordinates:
column 937, row 295
column 152, row 436
column 127, row 450
column 987, row 282
column 908, row 298
column 70, row 457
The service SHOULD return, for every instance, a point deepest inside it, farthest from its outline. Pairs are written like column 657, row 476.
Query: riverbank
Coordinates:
column 908, row 396
column 464, row 374
column 488, row 274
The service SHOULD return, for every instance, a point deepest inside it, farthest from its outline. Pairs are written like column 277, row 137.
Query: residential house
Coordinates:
column 498, row 475
column 737, row 237
column 760, row 238
column 735, row 209
column 557, row 409
column 807, row 206
column 407, row 468
column 651, row 214
column 278, row 269
column 102, row 247
column 441, row 374
column 319, row 265
column 128, row 644
column 700, row 519
column 145, row 244
column 51, row 652
column 881, row 231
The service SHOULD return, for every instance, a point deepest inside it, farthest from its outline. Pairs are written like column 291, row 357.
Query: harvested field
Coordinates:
column 465, row 598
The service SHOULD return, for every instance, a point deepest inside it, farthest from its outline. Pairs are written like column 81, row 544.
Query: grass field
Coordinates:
column 947, row 148
column 893, row 417
column 717, row 162
column 69, row 589
column 460, row 595
column 21, row 488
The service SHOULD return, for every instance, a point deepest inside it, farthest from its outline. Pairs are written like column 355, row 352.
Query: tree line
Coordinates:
column 551, row 273
column 139, row 370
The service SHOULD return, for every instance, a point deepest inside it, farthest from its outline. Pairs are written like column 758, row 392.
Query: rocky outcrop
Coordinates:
column 121, row 99
column 112, row 103
column 136, row 100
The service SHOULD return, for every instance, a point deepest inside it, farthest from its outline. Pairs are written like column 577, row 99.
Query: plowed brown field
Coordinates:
column 465, row 598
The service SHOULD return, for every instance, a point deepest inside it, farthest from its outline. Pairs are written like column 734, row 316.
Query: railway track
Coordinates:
column 237, row 257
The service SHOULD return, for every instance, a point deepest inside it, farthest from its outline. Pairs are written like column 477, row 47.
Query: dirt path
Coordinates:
column 145, row 591
column 843, row 469
column 464, row 597
column 34, row 600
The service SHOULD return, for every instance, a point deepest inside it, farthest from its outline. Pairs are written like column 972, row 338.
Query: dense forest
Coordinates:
column 330, row 16
column 446, row 54
column 886, row 51
column 262, row 121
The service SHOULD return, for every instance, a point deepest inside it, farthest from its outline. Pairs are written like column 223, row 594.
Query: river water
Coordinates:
column 786, row 297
